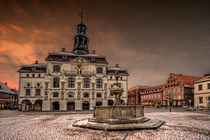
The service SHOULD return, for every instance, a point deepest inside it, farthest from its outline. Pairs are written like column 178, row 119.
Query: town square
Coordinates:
column 104, row 70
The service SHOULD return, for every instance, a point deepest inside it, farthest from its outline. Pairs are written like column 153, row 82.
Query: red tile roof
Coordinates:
column 187, row 80
column 154, row 87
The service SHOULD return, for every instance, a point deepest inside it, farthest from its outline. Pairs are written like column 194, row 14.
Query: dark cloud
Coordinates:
column 147, row 37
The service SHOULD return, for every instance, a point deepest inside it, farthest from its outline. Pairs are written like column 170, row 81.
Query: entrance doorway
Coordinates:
column 38, row 105
column 55, row 105
column 70, row 106
column 110, row 102
column 86, row 106
column 98, row 103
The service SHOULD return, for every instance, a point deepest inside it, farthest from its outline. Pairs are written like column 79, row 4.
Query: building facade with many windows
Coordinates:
column 202, row 92
column 76, row 80
column 134, row 95
column 179, row 88
column 152, row 96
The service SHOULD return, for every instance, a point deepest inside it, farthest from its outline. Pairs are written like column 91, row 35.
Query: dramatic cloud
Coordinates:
column 148, row 38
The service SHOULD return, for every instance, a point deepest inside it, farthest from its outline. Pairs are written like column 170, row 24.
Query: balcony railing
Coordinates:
column 83, row 73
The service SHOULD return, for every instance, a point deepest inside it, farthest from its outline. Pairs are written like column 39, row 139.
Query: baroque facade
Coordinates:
column 77, row 80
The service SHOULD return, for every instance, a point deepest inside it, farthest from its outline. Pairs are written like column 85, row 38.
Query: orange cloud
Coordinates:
column 19, row 53
column 3, row 30
column 19, row 10
column 15, row 27
column 11, row 84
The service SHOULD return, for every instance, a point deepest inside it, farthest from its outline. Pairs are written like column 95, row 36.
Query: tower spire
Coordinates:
column 81, row 14
column 81, row 40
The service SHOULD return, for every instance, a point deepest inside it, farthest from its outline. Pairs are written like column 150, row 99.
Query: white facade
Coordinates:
column 70, row 81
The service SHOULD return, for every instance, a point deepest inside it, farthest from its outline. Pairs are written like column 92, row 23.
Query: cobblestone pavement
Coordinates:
column 51, row 125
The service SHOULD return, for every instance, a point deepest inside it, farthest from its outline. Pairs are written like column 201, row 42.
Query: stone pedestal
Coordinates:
column 119, row 118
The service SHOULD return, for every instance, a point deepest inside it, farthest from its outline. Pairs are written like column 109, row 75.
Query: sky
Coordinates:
column 149, row 38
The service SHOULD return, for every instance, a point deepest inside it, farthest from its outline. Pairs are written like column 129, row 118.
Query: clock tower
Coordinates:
column 81, row 40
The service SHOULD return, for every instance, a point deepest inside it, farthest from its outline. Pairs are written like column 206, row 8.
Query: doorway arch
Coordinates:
column 56, row 105
column 71, row 105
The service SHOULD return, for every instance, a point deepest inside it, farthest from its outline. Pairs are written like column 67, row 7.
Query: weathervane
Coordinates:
column 81, row 14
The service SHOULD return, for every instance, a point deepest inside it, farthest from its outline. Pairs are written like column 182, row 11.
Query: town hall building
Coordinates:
column 77, row 80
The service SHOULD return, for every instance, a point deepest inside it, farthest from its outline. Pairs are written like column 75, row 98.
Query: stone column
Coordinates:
column 78, row 104
column 46, row 105
column 92, row 104
column 63, row 105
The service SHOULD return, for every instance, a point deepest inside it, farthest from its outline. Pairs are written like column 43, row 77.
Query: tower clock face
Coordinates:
column 79, row 66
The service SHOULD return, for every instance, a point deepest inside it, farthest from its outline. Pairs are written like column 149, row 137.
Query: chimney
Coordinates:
column 63, row 49
column 117, row 65
column 36, row 62
column 94, row 51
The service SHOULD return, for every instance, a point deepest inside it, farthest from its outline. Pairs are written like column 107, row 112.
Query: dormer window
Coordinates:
column 56, row 68
column 33, row 69
column 64, row 57
column 93, row 58
column 99, row 70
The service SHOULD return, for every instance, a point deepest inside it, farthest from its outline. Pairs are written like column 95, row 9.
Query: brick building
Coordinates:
column 8, row 98
column 152, row 96
column 134, row 95
column 180, row 88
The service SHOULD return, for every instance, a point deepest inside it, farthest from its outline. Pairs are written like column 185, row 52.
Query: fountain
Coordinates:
column 118, row 116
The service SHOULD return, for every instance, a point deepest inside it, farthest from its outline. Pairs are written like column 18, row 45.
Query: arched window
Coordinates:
column 99, row 83
column 86, row 95
column 56, row 82
column 99, row 70
column 86, row 83
column 56, row 68
column 55, row 94
column 98, row 95
column 71, row 82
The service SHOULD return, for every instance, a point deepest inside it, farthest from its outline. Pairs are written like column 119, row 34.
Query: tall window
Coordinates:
column 28, row 92
column 98, row 95
column 56, row 82
column 208, row 86
column 200, row 87
column 86, row 95
column 56, row 68
column 99, row 70
column 38, row 92
column 86, row 83
column 200, row 100
column 99, row 83
column 71, row 82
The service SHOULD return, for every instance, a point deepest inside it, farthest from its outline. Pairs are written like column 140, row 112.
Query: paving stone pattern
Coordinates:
column 58, row 126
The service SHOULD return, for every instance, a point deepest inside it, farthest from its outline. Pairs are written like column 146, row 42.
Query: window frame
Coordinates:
column 38, row 89
column 56, row 68
column 86, row 83
column 54, row 82
column 99, row 70
column 200, row 87
column 71, row 82
column 28, row 92
column 99, row 83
